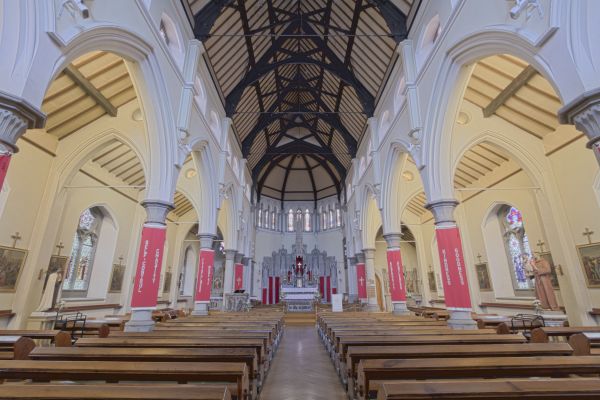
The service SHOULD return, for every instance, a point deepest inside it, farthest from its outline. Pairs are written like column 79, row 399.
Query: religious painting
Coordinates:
column 11, row 264
column 431, row 280
column 116, row 278
column 589, row 257
column 483, row 277
column 553, row 277
column 167, row 284
column 57, row 264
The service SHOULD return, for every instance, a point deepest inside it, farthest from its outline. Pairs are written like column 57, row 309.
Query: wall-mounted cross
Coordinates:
column 541, row 245
column 479, row 258
column 120, row 260
column 16, row 237
column 589, row 234
column 59, row 246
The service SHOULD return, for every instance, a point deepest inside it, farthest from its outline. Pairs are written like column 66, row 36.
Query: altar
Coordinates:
column 299, row 299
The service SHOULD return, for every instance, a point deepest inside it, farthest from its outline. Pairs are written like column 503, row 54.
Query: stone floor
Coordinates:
column 302, row 369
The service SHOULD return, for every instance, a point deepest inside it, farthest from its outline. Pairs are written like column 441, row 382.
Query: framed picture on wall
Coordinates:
column 431, row 281
column 57, row 264
column 589, row 258
column 483, row 277
column 116, row 278
column 11, row 264
column 167, row 284
column 553, row 277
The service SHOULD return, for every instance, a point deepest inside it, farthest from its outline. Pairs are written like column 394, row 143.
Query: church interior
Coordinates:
column 299, row 199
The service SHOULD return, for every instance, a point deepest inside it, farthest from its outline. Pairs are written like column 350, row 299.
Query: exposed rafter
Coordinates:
column 394, row 18
column 206, row 17
column 72, row 72
column 509, row 91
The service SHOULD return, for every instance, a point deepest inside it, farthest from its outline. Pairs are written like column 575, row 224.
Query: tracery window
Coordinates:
column 307, row 220
column 517, row 246
column 83, row 251
column 290, row 220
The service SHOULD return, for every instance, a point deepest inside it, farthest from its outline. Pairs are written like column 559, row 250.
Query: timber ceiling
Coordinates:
column 299, row 78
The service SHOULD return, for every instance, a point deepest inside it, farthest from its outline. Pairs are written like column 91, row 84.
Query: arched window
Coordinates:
column 517, row 245
column 291, row 220
column 299, row 223
column 338, row 217
column 259, row 217
column 324, row 220
column 331, row 219
column 83, row 251
column 307, row 220
column 267, row 219
column 273, row 220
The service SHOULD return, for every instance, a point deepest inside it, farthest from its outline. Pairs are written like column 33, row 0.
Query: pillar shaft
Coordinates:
column 229, row 272
column 396, row 273
column 205, row 273
column 372, row 304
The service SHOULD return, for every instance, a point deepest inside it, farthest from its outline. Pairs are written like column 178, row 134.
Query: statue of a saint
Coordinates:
column 544, row 292
column 50, row 295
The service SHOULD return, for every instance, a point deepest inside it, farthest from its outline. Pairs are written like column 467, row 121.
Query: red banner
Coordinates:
column 149, row 263
column 277, row 283
column 361, row 280
column 271, row 294
column 328, row 295
column 454, row 274
column 396, row 275
column 4, row 161
column 238, row 276
column 205, row 274
column 322, row 287
column 264, row 296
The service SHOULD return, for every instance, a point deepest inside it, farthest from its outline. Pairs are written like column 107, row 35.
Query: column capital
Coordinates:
column 360, row 258
column 238, row 258
column 584, row 113
column 393, row 240
column 443, row 211
column 246, row 260
column 369, row 253
column 156, row 211
column 230, row 254
column 206, row 240
column 16, row 116
column 351, row 260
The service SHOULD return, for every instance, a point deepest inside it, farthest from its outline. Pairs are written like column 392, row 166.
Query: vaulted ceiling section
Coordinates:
column 299, row 78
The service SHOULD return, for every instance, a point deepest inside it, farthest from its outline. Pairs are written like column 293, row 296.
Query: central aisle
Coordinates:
column 302, row 369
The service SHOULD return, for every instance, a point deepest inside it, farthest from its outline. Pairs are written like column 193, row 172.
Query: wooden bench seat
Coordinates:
column 181, row 372
column 585, row 343
column 543, row 334
column 483, row 367
column 59, row 338
column 114, row 392
column 15, row 347
column 531, row 389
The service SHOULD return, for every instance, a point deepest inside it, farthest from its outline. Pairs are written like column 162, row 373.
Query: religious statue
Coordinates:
column 544, row 292
column 50, row 295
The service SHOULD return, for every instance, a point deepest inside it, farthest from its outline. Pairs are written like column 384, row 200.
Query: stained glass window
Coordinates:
column 338, row 217
column 291, row 220
column 83, row 251
column 259, row 217
column 517, row 246
column 267, row 219
column 331, row 220
column 273, row 220
column 307, row 220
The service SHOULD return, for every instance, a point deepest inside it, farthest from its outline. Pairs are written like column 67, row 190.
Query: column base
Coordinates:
column 352, row 298
column 461, row 320
column 200, row 309
column 141, row 321
column 399, row 308
column 373, row 307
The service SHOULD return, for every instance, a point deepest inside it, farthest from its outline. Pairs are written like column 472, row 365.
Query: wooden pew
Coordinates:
column 359, row 353
column 543, row 334
column 181, row 372
column 176, row 343
column 59, row 338
column 113, row 392
column 583, row 343
column 15, row 347
column 237, row 355
column 371, row 371
column 537, row 389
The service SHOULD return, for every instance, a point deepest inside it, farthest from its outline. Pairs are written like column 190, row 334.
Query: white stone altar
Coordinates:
column 299, row 299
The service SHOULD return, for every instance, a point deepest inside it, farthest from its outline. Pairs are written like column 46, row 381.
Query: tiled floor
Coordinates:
column 302, row 369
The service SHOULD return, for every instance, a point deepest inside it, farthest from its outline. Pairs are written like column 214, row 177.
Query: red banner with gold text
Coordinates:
column 454, row 274
column 396, row 275
column 238, row 276
column 205, row 275
column 4, row 161
column 361, row 280
column 149, row 263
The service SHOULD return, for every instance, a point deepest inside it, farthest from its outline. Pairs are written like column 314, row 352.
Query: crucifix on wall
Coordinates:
column 541, row 245
column 16, row 237
column 589, row 234
column 59, row 246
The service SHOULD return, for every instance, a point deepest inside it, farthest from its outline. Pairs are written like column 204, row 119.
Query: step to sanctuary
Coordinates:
column 300, row 318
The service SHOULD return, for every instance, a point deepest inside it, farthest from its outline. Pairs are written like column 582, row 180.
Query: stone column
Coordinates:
column 371, row 289
column 204, row 275
column 584, row 113
column 396, row 274
column 16, row 116
column 352, row 288
column 237, row 265
column 247, row 277
column 149, row 262
column 229, row 265
column 454, row 274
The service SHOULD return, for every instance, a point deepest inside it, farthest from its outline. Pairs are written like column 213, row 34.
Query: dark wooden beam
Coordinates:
column 72, row 72
column 509, row 91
